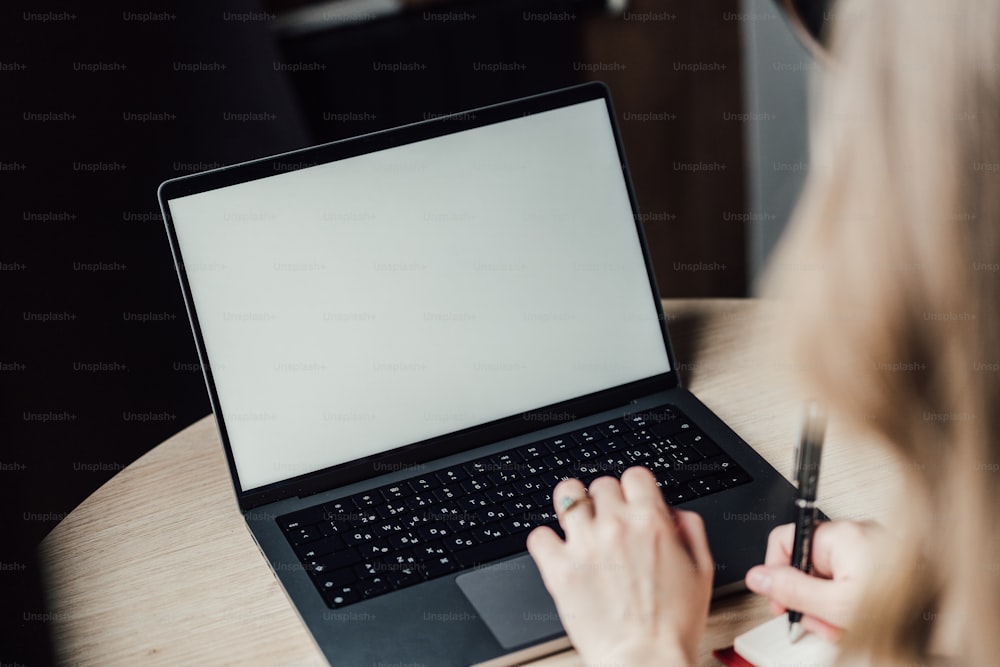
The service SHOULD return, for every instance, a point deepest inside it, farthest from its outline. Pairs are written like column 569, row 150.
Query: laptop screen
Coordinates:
column 361, row 305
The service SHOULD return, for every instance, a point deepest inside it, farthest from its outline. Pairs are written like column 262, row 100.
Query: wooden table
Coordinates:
column 157, row 566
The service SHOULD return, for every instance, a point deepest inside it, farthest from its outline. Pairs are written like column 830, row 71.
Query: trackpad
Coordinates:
column 511, row 599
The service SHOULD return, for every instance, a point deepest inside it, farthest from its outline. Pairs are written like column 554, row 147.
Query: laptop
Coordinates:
column 410, row 337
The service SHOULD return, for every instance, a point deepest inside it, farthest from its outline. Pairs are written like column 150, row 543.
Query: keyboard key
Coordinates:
column 477, row 468
column 475, row 484
column 358, row 536
column 341, row 595
column 528, row 486
column 535, row 467
column 446, row 493
column 660, row 463
column 586, row 452
column 329, row 528
column 668, row 428
column 543, row 499
column 396, row 491
column 542, row 516
column 335, row 578
column 462, row 541
column 430, row 550
column 490, row 551
column 421, row 500
column 533, row 452
column 451, row 476
column 515, row 525
column 707, row 448
column 684, row 456
column 733, row 478
column 319, row 547
column 376, row 585
column 339, row 509
column 505, row 476
column 445, row 512
column 682, row 472
column 304, row 535
column 666, row 482
column 488, row 515
column 502, row 493
column 395, row 508
column 614, row 427
column 705, row 486
column 416, row 520
column 510, row 460
column 407, row 576
column 612, row 445
column 301, row 519
column 694, row 453
column 439, row 566
column 434, row 532
column 678, row 495
column 366, row 518
column 335, row 561
column 487, row 533
column 638, row 455
column 690, row 436
column 614, row 464
column 375, row 549
column 557, row 461
column 587, row 435
column 717, row 465
column 640, row 437
column 672, row 427
column 367, row 500
column 424, row 484
column 700, row 442
column 473, row 503
column 666, row 445
column 402, row 558
column 549, row 479
column 637, row 421
column 463, row 522
column 519, row 506
column 560, row 444
column 401, row 540
column 660, row 414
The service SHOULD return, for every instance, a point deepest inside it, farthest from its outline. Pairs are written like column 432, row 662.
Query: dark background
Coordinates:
column 102, row 102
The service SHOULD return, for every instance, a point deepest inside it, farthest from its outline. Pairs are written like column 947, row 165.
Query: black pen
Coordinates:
column 807, row 478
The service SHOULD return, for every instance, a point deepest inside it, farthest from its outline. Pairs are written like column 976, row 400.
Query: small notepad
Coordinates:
column 767, row 645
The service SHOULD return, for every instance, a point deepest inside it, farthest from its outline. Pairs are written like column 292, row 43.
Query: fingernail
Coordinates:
column 758, row 580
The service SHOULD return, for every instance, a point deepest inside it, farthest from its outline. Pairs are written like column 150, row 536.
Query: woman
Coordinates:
column 897, row 244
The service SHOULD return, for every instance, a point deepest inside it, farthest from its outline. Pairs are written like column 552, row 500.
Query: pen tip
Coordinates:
column 795, row 632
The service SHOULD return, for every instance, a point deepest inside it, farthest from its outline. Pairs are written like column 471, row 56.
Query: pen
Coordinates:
column 807, row 477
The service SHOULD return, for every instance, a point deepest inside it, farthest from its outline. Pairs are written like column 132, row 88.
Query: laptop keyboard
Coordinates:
column 435, row 523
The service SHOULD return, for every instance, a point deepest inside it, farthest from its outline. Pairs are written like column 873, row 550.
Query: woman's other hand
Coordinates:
column 843, row 556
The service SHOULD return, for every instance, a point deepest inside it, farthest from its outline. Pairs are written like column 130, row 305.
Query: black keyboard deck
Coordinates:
column 394, row 536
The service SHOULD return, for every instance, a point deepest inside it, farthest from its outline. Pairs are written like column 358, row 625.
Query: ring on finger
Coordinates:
column 568, row 503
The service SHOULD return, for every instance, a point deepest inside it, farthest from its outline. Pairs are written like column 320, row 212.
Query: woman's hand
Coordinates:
column 633, row 580
column 843, row 556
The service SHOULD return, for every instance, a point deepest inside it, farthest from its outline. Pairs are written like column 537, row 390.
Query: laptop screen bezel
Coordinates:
column 427, row 450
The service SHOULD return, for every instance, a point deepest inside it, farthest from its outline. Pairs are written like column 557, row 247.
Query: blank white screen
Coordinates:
column 365, row 304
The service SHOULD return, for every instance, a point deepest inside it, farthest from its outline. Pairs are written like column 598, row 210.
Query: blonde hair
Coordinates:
column 891, row 266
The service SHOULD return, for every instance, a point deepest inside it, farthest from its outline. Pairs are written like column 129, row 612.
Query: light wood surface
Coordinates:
column 157, row 566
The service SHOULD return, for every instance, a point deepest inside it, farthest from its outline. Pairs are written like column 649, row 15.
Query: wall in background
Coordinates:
column 777, row 69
